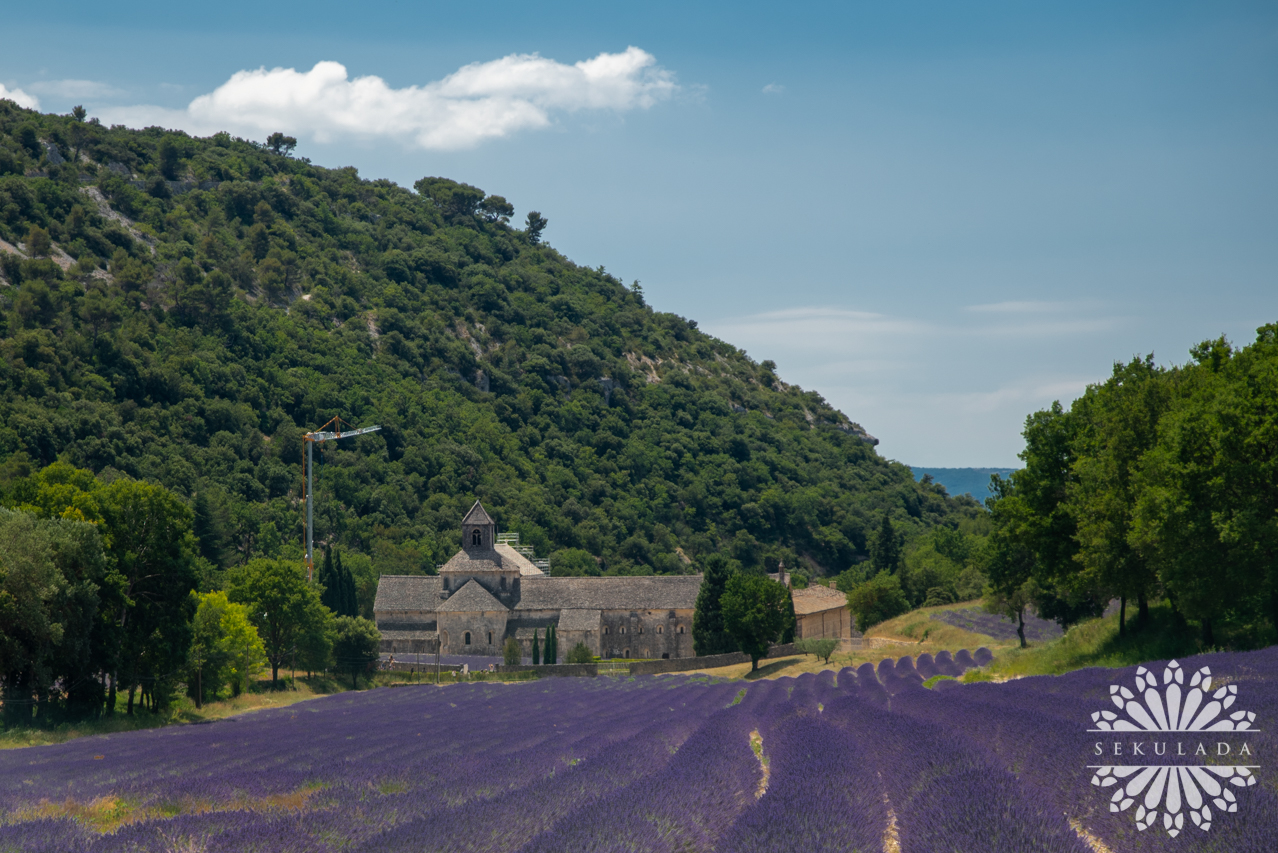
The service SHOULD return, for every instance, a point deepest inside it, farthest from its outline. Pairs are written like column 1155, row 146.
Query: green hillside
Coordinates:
column 182, row 310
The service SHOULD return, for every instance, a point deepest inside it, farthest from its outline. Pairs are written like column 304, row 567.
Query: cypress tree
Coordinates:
column 331, row 597
column 885, row 550
column 536, row 649
column 348, row 597
column 552, row 645
column 709, row 636
column 209, row 527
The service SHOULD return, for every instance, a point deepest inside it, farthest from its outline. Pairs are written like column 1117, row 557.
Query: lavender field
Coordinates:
column 997, row 626
column 859, row 760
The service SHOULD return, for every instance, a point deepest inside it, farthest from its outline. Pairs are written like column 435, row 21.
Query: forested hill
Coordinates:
column 182, row 310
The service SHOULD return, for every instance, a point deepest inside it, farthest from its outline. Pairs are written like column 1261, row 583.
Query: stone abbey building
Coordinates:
column 489, row 591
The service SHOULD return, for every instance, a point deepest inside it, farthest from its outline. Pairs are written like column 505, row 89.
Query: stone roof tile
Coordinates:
column 471, row 562
column 477, row 515
column 817, row 598
column 471, row 598
column 578, row 620
column 510, row 558
column 658, row 592
column 407, row 592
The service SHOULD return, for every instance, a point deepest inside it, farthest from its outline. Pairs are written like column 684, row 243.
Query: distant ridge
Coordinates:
column 960, row 481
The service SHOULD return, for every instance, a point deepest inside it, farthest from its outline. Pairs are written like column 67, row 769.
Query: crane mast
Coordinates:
column 308, row 485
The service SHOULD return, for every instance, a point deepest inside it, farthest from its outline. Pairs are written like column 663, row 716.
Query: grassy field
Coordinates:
column 259, row 696
column 1091, row 643
column 183, row 710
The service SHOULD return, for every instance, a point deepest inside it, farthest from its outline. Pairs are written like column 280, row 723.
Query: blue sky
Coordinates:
column 940, row 216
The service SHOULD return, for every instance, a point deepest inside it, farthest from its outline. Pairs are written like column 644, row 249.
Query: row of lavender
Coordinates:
column 661, row 763
column 998, row 626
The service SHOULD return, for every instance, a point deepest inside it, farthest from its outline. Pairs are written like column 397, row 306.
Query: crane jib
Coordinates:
column 329, row 436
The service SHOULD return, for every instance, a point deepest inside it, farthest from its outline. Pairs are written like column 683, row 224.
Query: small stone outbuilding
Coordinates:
column 822, row 612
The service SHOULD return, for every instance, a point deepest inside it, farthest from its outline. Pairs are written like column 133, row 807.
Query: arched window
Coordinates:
column 626, row 653
column 640, row 629
column 659, row 627
column 490, row 638
column 606, row 629
column 621, row 630
column 475, row 538
column 680, row 629
column 468, row 638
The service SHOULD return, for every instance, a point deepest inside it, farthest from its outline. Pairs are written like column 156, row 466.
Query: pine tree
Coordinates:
column 536, row 649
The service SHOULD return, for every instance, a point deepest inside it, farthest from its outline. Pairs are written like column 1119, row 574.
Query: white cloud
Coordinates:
column 773, row 89
column 478, row 102
column 939, row 387
column 19, row 97
column 74, row 88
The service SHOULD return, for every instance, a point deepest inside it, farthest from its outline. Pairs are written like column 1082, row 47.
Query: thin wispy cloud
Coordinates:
column 74, row 89
column 19, row 97
column 476, row 103
column 1022, row 307
column 773, row 89
column 815, row 328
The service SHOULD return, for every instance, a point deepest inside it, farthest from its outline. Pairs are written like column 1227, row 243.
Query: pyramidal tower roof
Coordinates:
column 477, row 515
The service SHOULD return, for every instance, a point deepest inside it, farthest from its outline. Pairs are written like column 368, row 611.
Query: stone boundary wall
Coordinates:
column 653, row 667
column 588, row 670
column 424, row 666
column 848, row 644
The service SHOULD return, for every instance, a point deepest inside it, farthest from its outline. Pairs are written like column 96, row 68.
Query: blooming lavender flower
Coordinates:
column 648, row 763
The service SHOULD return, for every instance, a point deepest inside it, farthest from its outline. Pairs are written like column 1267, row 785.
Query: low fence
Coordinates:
column 653, row 667
column 587, row 670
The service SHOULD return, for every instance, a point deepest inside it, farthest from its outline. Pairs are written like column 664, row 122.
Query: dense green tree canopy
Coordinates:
column 757, row 613
column 284, row 608
column 355, row 641
column 207, row 301
column 1157, row 483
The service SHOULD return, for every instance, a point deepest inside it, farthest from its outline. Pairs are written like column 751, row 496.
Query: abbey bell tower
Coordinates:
column 479, row 531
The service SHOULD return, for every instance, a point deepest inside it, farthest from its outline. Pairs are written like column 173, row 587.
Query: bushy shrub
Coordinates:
column 877, row 600
column 580, row 654
column 821, row 647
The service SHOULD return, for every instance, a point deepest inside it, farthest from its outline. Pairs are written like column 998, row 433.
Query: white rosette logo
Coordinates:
column 1172, row 788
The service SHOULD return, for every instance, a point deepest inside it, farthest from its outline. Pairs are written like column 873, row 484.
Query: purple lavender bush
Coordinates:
column 998, row 626
column 653, row 763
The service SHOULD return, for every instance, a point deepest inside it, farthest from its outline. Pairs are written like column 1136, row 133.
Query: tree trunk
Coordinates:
column 199, row 688
column 754, row 663
column 1142, row 613
column 1020, row 626
column 110, row 708
column 132, row 689
column 1122, row 616
column 1209, row 639
column 275, row 675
